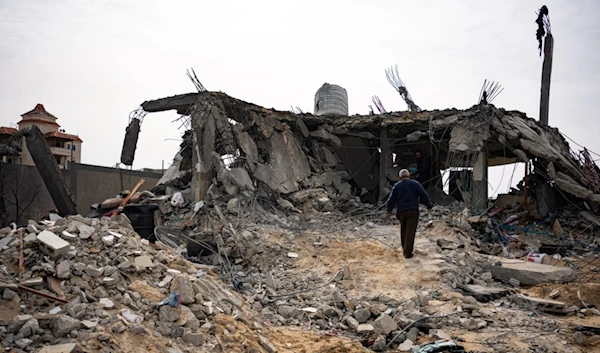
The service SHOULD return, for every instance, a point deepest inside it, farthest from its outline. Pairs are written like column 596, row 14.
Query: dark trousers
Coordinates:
column 408, row 227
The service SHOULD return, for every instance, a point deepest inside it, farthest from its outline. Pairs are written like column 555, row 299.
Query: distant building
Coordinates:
column 64, row 147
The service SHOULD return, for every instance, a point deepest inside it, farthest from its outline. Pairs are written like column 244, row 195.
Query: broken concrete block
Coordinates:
column 68, row 236
column 326, row 136
column 143, row 261
column 107, row 303
column 530, row 273
column 241, row 178
column 183, row 285
column 385, row 324
column 63, row 269
column 365, row 328
column 108, row 240
column 549, row 306
column 85, row 231
column 52, row 244
column 93, row 271
column 59, row 348
column 36, row 281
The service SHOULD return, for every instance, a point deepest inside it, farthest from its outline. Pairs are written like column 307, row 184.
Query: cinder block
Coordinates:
column 52, row 244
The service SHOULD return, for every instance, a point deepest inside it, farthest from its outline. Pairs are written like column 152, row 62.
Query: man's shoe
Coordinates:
column 408, row 257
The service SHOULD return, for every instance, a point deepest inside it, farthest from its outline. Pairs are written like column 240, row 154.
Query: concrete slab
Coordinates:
column 483, row 293
column 546, row 305
column 59, row 348
column 530, row 273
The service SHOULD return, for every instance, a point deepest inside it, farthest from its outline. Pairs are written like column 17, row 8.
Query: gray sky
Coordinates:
column 92, row 62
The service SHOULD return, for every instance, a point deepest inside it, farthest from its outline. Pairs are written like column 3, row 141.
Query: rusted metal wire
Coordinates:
column 393, row 78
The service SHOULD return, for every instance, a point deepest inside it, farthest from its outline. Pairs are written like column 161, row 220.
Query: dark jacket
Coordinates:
column 406, row 195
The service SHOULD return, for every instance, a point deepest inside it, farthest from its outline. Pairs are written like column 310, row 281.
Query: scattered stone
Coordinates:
column 29, row 329
column 413, row 334
column 62, row 325
column 85, row 231
column 365, row 328
column 108, row 240
column 8, row 294
column 118, row 327
column 17, row 322
column 362, row 315
column 514, row 282
column 292, row 255
column 55, row 310
column 68, row 236
column 93, row 271
column 165, row 281
column 405, row 346
column 107, row 303
column 36, row 281
column 546, row 305
column 168, row 313
column 24, row 342
column 271, row 282
column 385, row 324
column 554, row 294
column 89, row 324
column 473, row 324
column 352, row 322
column 137, row 330
column 143, row 261
column 183, row 285
column 268, row 346
column 59, row 348
column 63, row 269
column 330, row 311
column 379, row 344
column 195, row 339
column 580, row 338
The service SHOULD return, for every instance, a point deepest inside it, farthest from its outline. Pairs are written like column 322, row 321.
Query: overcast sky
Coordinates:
column 92, row 62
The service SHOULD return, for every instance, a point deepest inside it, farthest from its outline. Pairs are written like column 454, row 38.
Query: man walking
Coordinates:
column 405, row 197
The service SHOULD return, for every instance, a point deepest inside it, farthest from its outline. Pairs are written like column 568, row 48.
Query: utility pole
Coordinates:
column 544, row 31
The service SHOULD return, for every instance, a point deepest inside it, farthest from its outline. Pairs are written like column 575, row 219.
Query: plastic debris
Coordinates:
column 173, row 300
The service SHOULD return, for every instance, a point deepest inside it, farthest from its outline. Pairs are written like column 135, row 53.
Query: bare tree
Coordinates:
column 20, row 197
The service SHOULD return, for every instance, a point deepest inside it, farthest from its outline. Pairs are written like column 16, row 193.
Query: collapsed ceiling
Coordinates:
column 288, row 151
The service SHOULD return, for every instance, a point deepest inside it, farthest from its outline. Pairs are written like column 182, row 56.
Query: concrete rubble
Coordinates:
column 270, row 238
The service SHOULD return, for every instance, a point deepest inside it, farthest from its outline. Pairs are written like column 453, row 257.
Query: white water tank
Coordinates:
column 331, row 100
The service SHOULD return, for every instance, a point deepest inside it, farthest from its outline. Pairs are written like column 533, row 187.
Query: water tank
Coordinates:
column 331, row 100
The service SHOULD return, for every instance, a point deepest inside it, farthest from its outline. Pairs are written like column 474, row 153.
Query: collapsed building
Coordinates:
column 250, row 147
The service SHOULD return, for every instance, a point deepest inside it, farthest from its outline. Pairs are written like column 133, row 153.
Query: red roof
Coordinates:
column 5, row 130
column 62, row 135
column 39, row 121
column 39, row 108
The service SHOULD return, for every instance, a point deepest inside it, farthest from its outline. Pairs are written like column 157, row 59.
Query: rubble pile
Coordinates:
column 84, row 280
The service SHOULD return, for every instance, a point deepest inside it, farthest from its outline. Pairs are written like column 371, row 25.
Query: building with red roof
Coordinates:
column 64, row 147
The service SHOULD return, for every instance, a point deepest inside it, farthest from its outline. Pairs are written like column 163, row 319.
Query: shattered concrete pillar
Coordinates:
column 203, row 124
column 48, row 169
column 132, row 133
column 480, row 182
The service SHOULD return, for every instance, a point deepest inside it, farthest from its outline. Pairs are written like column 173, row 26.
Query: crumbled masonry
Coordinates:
column 268, row 237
